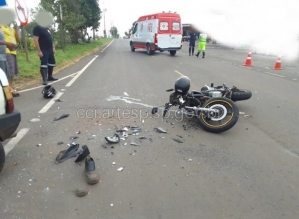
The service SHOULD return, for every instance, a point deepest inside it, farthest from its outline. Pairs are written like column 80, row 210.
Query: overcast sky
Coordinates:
column 269, row 25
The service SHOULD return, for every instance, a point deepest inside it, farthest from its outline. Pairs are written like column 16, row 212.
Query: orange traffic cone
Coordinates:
column 277, row 65
column 248, row 60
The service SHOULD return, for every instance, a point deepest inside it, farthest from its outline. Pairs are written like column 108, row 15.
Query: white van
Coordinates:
column 161, row 31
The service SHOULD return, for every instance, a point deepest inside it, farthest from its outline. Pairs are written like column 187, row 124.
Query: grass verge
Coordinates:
column 29, row 70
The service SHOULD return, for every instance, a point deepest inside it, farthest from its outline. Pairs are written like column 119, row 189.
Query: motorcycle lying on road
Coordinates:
column 234, row 93
column 215, row 113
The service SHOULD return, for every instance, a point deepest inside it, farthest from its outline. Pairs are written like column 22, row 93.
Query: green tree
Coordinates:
column 77, row 16
column 114, row 32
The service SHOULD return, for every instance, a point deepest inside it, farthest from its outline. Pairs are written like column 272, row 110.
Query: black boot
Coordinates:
column 193, row 51
column 44, row 73
column 203, row 55
column 198, row 53
column 189, row 51
column 50, row 72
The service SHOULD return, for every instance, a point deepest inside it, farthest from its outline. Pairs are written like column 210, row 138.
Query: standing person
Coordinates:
column 3, row 62
column 11, row 35
column 202, row 45
column 192, row 40
column 45, row 49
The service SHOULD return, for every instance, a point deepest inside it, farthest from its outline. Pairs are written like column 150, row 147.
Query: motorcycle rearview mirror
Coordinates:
column 169, row 90
column 212, row 84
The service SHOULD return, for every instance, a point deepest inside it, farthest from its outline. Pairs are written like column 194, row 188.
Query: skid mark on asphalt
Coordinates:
column 14, row 141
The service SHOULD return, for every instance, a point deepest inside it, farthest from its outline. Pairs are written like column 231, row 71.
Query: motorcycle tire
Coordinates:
column 241, row 95
column 210, row 121
column 2, row 157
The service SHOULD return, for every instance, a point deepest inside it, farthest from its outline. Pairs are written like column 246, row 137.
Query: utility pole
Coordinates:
column 105, row 32
column 61, row 29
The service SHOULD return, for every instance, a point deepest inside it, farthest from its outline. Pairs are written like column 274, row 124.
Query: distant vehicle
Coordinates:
column 10, row 118
column 161, row 31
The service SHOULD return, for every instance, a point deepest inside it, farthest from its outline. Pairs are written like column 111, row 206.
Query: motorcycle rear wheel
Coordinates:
column 219, row 122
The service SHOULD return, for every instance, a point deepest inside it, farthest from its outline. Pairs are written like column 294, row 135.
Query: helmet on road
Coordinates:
column 48, row 92
column 182, row 85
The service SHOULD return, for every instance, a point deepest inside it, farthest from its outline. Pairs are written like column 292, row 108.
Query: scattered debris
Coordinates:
column 90, row 138
column 133, row 143
column 142, row 137
column 178, row 140
column 83, row 153
column 104, row 146
column 179, row 136
column 78, row 132
column 61, row 117
column 81, row 192
column 246, row 116
column 190, row 160
column 160, row 130
column 185, row 126
column 151, row 140
column 35, row 120
column 74, row 137
column 60, row 143
column 58, row 100
column 125, row 93
column 113, row 163
column 38, row 145
column 114, row 139
column 120, row 169
column 241, row 113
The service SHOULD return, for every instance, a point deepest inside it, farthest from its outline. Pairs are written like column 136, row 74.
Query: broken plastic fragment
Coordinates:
column 38, row 145
column 114, row 139
column 133, row 143
column 120, row 169
column 160, row 130
column 74, row 137
column 178, row 140
column 60, row 143
column 78, row 132
column 61, row 117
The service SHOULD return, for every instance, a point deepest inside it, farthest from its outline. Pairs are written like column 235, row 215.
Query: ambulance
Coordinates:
column 157, row 32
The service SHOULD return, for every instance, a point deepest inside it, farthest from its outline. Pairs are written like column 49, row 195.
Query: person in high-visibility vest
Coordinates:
column 202, row 41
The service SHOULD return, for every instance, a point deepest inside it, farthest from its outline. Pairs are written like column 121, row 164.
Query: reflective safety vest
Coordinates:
column 202, row 38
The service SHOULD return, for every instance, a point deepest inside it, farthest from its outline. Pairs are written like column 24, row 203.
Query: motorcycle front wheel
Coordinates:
column 226, row 117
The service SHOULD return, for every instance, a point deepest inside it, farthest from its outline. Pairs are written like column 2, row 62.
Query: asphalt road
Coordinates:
column 250, row 171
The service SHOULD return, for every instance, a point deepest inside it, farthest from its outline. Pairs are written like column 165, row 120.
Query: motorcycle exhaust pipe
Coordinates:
column 202, row 109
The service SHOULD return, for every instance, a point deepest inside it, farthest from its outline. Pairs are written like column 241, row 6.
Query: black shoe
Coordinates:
column 52, row 79
column 82, row 153
column 91, row 176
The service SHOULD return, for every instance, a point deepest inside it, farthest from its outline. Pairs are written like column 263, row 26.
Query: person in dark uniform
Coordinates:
column 192, row 40
column 46, row 49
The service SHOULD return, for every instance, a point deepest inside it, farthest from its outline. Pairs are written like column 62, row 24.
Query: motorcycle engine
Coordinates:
column 215, row 94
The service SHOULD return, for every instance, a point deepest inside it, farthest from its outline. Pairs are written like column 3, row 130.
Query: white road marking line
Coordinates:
column 274, row 74
column 107, row 46
column 50, row 103
column 226, row 62
column 60, row 79
column 14, row 141
column 80, row 72
column 178, row 73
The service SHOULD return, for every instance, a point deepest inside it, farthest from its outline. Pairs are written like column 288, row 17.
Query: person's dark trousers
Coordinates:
column 47, row 65
column 191, row 47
